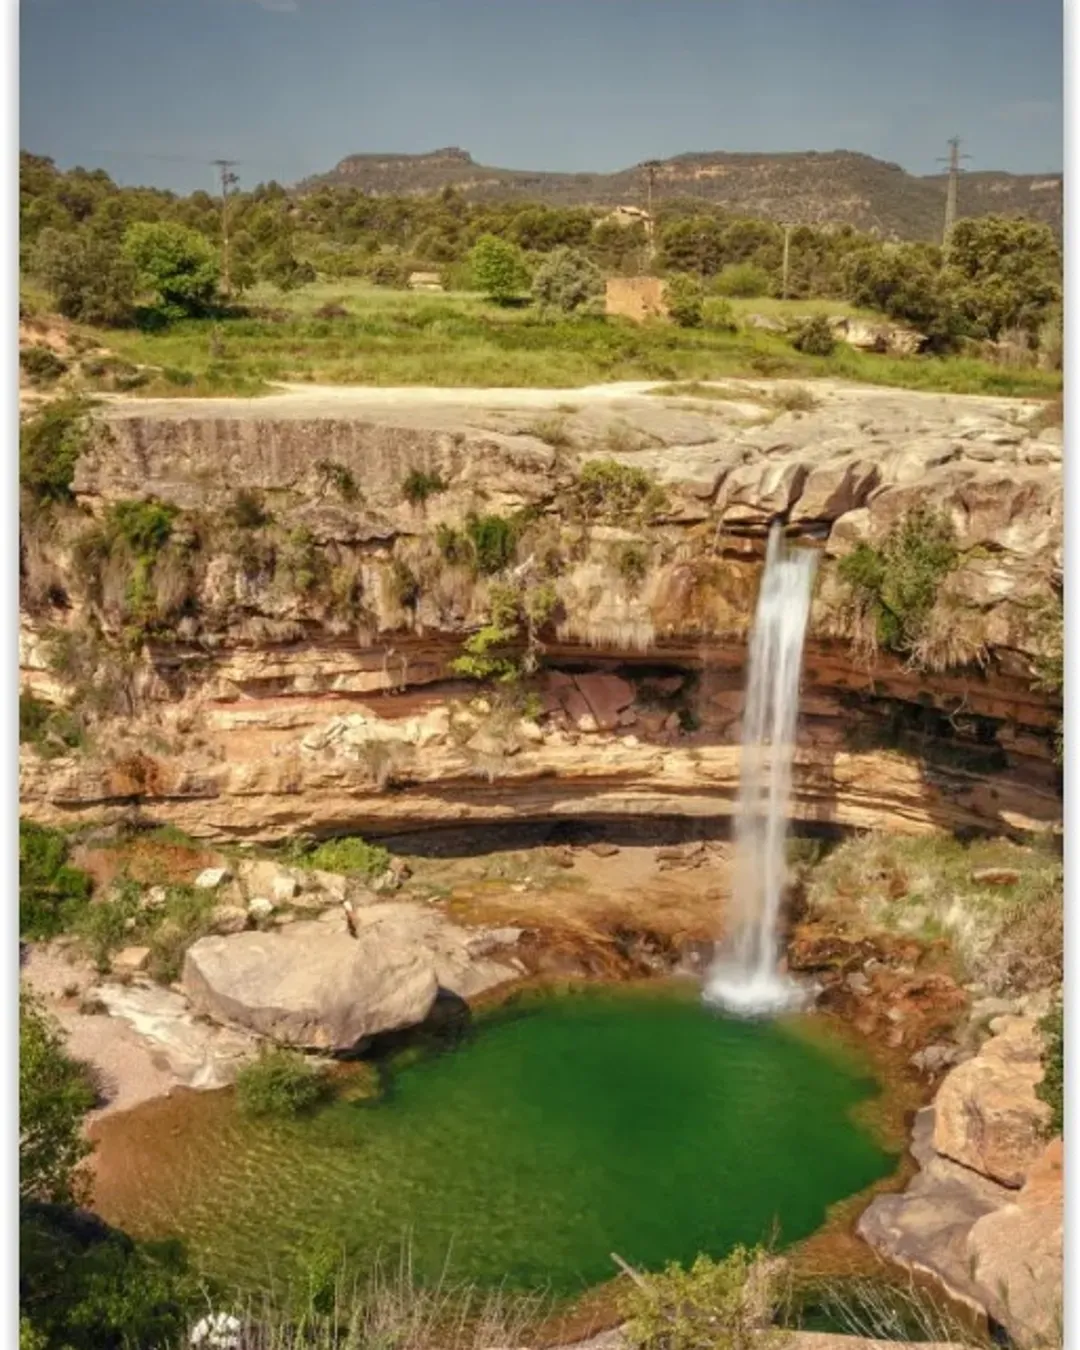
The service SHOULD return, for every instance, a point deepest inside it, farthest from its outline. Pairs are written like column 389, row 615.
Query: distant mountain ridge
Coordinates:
column 838, row 186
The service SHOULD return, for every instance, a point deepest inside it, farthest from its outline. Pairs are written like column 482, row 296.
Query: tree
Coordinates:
column 566, row 280
column 178, row 264
column 50, row 443
column 285, row 271
column 498, row 268
column 53, row 1098
column 684, row 298
column 1005, row 271
column 89, row 277
column 906, row 283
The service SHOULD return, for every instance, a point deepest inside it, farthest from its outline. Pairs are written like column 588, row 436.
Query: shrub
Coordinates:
column 567, row 281
column 419, row 486
column 744, row 281
column 54, row 1095
column 718, row 314
column 814, row 336
column 493, row 540
column 1052, row 1088
column 349, row 855
column 632, row 562
column 616, row 491
column 279, row 1083
column 52, row 894
column 144, row 526
column 170, row 930
column 715, row 1305
column 498, row 268
column 89, row 277
column 795, row 398
column 684, row 297
column 50, row 443
column 333, row 309
column 41, row 365
column 337, row 477
column 404, row 584
column 178, row 264
column 552, row 431
column 387, row 269
column 52, row 731
column 454, row 547
column 246, row 510
column 86, row 1286
column 896, row 585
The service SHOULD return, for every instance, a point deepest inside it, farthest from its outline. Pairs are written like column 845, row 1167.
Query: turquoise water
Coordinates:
column 561, row 1130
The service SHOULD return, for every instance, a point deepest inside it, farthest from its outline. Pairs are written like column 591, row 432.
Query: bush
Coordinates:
column 86, row 1286
column 144, row 526
column 896, row 585
column 493, row 540
column 50, row 443
column 54, row 1095
column 176, row 263
column 52, row 894
column 52, row 731
column 246, row 510
column 279, row 1083
column 718, row 314
column 815, row 337
column 498, row 268
column 89, row 277
column 387, row 269
column 404, row 584
column 632, row 562
column 41, row 365
column 351, row 856
column 419, row 486
column 616, row 491
column 567, row 281
column 744, row 281
column 684, row 297
column 715, row 1305
column 1052, row 1088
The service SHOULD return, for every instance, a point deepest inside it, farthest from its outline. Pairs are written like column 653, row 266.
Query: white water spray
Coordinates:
column 745, row 976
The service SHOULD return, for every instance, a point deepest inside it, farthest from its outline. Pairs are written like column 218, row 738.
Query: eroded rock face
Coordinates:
column 291, row 709
column 987, row 1115
column 991, row 1244
column 310, row 985
column 1016, row 1254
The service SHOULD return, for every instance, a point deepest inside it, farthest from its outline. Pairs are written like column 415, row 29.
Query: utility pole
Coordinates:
column 787, row 260
column 953, row 161
column 650, row 166
column 228, row 180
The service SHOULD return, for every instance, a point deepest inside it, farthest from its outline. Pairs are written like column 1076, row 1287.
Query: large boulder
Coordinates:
column 987, row 1115
column 310, row 984
column 1016, row 1255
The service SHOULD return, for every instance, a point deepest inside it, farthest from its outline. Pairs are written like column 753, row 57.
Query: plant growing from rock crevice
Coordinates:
column 895, row 585
column 507, row 648
column 609, row 490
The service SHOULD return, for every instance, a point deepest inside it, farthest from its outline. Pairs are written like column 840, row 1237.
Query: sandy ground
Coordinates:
column 128, row 1070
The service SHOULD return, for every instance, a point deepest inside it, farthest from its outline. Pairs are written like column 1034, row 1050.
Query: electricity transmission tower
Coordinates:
column 953, row 161
column 228, row 180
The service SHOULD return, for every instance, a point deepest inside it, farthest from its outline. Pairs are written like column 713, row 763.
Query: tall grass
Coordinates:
column 394, row 338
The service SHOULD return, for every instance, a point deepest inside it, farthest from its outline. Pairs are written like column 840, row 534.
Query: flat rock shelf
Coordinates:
column 563, row 1127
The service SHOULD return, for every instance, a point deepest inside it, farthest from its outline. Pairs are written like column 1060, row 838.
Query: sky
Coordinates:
column 154, row 90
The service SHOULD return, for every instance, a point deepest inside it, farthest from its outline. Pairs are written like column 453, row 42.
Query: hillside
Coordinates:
column 838, row 186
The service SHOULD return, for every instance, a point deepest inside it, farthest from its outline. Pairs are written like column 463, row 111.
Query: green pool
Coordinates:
column 562, row 1129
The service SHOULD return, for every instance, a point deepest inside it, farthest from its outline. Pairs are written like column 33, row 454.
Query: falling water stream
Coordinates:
column 745, row 977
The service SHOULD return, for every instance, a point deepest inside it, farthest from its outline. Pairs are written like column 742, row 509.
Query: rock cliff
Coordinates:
column 279, row 655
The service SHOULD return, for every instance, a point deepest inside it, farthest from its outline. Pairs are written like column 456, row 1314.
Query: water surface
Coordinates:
column 563, row 1129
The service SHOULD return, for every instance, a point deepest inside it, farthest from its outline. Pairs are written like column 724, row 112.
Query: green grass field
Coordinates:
column 457, row 339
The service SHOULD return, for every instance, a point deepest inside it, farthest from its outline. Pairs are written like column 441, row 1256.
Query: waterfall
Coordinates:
column 745, row 976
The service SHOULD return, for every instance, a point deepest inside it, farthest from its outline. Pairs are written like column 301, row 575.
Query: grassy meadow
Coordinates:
column 387, row 337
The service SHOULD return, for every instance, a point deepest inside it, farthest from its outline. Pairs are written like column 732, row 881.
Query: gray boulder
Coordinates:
column 311, row 985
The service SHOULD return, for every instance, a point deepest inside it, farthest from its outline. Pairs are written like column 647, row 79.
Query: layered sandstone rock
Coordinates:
column 265, row 710
column 987, row 1115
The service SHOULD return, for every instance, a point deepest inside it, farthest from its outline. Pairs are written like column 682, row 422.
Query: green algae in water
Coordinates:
column 561, row 1130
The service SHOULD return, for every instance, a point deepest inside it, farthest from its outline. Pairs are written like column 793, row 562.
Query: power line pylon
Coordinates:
column 228, row 180
column 953, row 160
column 650, row 166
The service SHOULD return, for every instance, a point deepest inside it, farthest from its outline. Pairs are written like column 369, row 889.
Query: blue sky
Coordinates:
column 152, row 90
